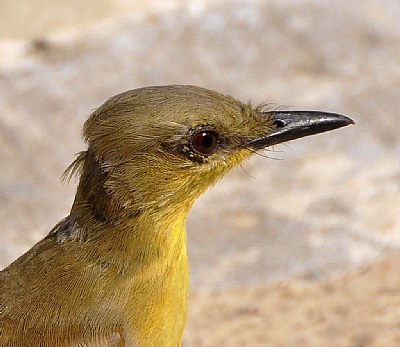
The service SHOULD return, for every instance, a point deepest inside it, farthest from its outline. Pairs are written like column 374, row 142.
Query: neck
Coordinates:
column 127, row 235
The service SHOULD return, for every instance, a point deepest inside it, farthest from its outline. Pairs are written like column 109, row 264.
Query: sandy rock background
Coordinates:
column 298, row 251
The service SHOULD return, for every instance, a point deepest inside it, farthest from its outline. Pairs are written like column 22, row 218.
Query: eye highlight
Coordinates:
column 204, row 142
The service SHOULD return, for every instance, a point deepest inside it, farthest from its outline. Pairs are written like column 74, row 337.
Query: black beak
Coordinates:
column 290, row 125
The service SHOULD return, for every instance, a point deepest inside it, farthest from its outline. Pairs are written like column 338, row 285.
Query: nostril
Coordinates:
column 279, row 123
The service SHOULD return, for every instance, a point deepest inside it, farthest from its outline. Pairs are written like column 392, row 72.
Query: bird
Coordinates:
column 114, row 272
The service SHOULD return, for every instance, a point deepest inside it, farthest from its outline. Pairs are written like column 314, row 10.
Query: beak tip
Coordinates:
column 347, row 121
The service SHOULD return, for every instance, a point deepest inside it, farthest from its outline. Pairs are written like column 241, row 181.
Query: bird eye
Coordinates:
column 204, row 142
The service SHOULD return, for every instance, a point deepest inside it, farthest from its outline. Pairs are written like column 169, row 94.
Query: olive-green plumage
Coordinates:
column 114, row 272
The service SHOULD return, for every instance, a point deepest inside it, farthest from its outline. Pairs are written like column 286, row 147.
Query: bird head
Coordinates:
column 158, row 148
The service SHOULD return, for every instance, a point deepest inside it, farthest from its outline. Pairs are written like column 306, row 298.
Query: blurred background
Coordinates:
column 298, row 250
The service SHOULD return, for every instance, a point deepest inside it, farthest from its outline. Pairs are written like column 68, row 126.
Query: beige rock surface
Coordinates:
column 358, row 309
column 325, row 211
